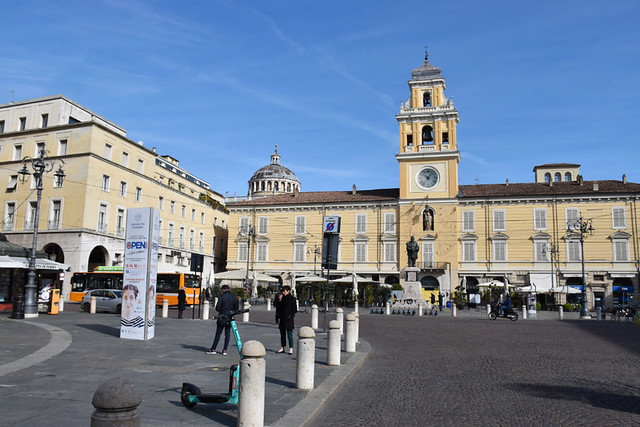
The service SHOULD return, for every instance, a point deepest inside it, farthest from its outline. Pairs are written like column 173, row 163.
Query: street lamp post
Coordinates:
column 250, row 232
column 39, row 166
column 584, row 227
column 316, row 251
column 552, row 250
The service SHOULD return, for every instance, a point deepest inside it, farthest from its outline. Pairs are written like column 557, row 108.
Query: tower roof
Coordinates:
column 274, row 170
column 426, row 71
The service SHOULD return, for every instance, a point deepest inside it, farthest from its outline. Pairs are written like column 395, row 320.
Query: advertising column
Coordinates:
column 140, row 274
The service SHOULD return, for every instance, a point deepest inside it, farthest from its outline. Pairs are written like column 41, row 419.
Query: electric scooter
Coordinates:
column 191, row 394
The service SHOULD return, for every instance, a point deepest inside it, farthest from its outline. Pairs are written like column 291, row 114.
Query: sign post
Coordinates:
column 330, row 240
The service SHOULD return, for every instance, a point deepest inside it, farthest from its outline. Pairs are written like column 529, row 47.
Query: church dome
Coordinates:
column 273, row 179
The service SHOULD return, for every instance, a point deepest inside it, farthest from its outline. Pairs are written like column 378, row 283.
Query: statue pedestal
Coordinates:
column 411, row 287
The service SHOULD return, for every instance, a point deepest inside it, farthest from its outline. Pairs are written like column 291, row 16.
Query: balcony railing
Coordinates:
column 7, row 226
column 54, row 225
column 102, row 228
column 120, row 231
column 28, row 225
column 432, row 265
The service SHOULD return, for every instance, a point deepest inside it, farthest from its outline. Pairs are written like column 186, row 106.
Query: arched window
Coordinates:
column 547, row 177
column 275, row 186
column 557, row 177
column 288, row 187
column 426, row 99
column 262, row 186
column 567, row 177
column 427, row 135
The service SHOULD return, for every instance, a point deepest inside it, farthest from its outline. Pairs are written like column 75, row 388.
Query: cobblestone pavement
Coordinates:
column 453, row 371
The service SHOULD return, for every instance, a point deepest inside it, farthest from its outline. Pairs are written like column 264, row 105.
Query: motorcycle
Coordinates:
column 507, row 313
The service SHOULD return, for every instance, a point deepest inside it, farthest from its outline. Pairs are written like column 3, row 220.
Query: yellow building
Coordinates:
column 527, row 234
column 82, row 222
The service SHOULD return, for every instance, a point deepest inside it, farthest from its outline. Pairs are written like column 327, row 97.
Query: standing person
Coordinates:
column 226, row 304
column 433, row 301
column 288, row 311
column 182, row 301
column 440, row 300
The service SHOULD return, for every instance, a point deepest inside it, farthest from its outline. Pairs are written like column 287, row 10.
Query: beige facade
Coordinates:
column 82, row 222
column 525, row 233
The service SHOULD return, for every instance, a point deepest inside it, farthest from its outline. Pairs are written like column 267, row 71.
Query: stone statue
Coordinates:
column 427, row 220
column 412, row 251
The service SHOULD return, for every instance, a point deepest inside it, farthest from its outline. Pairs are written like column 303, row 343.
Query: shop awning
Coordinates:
column 23, row 262
column 541, row 282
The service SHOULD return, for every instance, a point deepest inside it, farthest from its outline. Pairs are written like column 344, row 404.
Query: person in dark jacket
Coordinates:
column 227, row 303
column 276, row 304
column 182, row 301
column 287, row 311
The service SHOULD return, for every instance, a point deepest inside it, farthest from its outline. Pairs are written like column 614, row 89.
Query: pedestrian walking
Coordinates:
column 440, row 300
column 182, row 302
column 227, row 303
column 288, row 311
column 276, row 304
column 433, row 301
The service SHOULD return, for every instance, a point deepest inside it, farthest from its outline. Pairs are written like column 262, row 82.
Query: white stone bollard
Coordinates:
column 205, row 310
column 355, row 306
column 387, row 309
column 333, row 344
column 116, row 402
column 561, row 313
column 454, row 310
column 524, row 312
column 350, row 337
column 340, row 319
column 252, row 380
column 61, row 304
column 488, row 309
column 165, row 308
column 245, row 316
column 357, row 332
column 92, row 306
column 314, row 317
column 598, row 313
column 268, row 304
column 420, row 308
column 306, row 359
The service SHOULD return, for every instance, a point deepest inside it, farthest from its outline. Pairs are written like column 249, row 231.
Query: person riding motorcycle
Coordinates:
column 506, row 305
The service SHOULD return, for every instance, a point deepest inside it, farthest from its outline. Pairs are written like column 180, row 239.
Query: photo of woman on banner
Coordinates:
column 130, row 307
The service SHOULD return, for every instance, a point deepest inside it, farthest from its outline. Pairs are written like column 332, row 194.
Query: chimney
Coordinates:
column 353, row 190
column 595, row 186
column 624, row 178
column 507, row 181
column 580, row 180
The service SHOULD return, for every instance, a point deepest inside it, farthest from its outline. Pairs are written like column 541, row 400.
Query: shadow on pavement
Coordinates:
column 594, row 397
column 103, row 329
column 277, row 381
column 620, row 333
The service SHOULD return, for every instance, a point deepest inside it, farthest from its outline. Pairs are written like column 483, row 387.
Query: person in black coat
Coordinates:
column 182, row 301
column 227, row 303
column 287, row 312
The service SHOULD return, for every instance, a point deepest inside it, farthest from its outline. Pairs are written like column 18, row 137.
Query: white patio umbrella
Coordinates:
column 242, row 275
column 565, row 290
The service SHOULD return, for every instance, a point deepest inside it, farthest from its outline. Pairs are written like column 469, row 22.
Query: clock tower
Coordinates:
column 429, row 155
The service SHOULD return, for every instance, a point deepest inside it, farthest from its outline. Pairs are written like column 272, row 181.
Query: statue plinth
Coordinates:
column 411, row 287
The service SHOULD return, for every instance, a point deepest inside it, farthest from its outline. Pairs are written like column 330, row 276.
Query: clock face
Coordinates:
column 427, row 178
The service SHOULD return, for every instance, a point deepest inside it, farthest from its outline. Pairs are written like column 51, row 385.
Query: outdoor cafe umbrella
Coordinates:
column 311, row 279
column 241, row 274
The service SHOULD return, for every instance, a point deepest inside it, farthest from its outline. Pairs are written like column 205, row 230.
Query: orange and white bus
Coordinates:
column 167, row 284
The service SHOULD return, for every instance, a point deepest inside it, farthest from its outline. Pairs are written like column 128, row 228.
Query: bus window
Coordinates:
column 191, row 281
column 78, row 282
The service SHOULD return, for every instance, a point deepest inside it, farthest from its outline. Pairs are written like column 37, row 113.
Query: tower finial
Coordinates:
column 276, row 148
column 426, row 54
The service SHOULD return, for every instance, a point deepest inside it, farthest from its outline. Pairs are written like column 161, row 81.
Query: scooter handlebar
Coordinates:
column 233, row 313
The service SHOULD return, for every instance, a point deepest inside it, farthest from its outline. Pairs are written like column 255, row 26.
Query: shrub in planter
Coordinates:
column 567, row 307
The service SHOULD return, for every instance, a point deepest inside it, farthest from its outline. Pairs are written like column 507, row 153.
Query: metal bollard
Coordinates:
column 92, row 306
column 333, row 344
column 205, row 310
column 387, row 309
column 524, row 312
column 350, row 338
column 420, row 308
column 598, row 313
column 306, row 359
column 245, row 316
column 340, row 319
column 268, row 304
column 314, row 317
column 116, row 402
column 252, row 380
column 560, row 312
column 165, row 308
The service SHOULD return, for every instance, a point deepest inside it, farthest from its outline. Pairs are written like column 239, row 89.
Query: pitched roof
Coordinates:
column 313, row 197
column 544, row 189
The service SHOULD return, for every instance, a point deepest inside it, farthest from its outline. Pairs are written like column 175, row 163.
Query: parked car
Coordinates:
column 106, row 300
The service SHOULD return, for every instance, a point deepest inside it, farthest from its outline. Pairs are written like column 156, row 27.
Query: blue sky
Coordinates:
column 217, row 84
